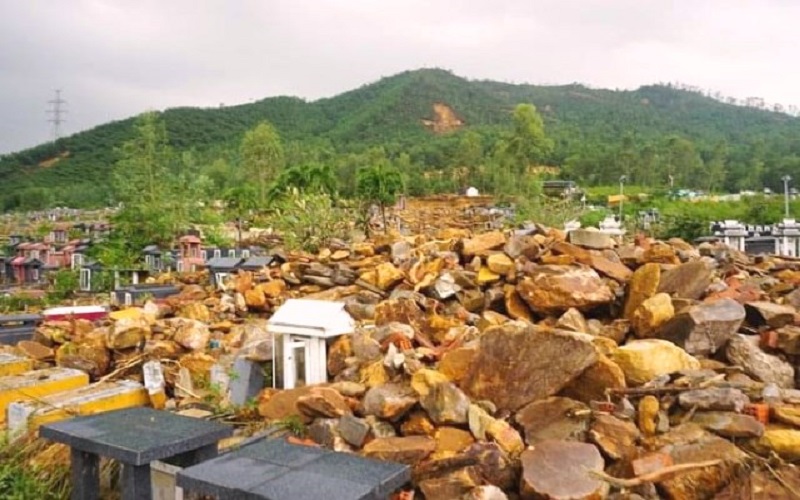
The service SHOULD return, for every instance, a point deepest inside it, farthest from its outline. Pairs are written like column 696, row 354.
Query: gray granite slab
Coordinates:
column 277, row 470
column 136, row 436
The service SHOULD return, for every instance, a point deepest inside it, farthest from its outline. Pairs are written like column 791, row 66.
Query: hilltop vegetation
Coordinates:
column 648, row 134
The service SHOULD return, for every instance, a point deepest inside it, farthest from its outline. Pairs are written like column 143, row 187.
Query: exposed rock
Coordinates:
column 278, row 405
column 651, row 314
column 450, row 486
column 706, row 481
column 744, row 351
column 191, row 334
column 482, row 244
column 450, row 441
column 553, row 289
column 519, row 363
column 418, row 423
column 406, row 450
column 323, row 402
column 616, row 438
column 554, row 418
column 704, row 328
column 486, row 492
column 591, row 385
column 91, row 357
column 715, row 398
column 642, row 285
column 389, row 401
column 762, row 313
column 500, row 263
column 728, row 424
column 560, row 470
column 446, row 404
column 455, row 363
column 648, row 415
column 784, row 442
column 128, row 332
column 196, row 311
column 789, row 415
column 354, row 430
column 688, row 281
column 644, row 360
column 573, row 321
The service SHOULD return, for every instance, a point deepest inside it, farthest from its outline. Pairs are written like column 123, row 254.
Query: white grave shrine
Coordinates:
column 612, row 226
column 300, row 329
column 733, row 234
column 787, row 238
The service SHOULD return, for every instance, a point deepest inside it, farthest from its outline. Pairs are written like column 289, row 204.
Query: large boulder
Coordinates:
column 552, row 289
column 704, row 328
column 642, row 285
column 686, row 281
column 518, row 363
column 560, row 470
column 744, row 351
column 644, row 360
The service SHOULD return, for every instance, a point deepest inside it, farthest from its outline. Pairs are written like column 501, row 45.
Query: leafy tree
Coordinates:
column 262, row 157
column 528, row 142
column 314, row 178
column 144, row 185
column 379, row 184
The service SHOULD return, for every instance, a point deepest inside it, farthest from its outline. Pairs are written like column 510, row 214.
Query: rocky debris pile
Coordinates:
column 506, row 365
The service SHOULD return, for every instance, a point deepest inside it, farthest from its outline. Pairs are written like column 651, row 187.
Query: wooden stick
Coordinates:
column 651, row 477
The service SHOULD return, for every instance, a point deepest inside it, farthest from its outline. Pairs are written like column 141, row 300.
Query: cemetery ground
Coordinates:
column 496, row 363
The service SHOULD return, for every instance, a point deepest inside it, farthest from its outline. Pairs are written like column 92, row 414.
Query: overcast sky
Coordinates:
column 115, row 58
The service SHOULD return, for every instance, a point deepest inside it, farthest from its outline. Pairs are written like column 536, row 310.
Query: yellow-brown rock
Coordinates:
column 787, row 414
column 374, row 374
column 340, row 350
column 455, row 363
column 515, row 306
column 644, row 360
column 500, row 263
column 128, row 332
column 648, row 414
column 197, row 311
column 518, row 363
column 642, row 285
column 89, row 356
column 423, row 380
column 408, row 450
column 486, row 276
column 278, row 405
column 199, row 366
column 554, row 289
column 785, row 442
column 323, row 402
column 591, row 385
column 450, row 441
column 651, row 314
column 482, row 244
column 255, row 299
column 272, row 289
column 418, row 423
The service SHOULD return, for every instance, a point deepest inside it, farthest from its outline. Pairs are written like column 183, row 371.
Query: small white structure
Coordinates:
column 787, row 238
column 611, row 225
column 300, row 329
column 733, row 234
column 472, row 192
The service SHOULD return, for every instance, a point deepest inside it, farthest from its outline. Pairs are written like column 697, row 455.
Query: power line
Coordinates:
column 57, row 111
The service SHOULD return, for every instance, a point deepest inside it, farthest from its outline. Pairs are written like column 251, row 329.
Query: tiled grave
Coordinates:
column 277, row 470
column 135, row 437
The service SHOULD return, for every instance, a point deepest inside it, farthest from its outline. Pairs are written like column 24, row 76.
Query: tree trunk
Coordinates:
column 383, row 215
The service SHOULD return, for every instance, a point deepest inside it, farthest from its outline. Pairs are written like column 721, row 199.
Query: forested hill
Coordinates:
column 420, row 119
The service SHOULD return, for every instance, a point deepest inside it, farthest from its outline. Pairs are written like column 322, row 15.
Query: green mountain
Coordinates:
column 599, row 135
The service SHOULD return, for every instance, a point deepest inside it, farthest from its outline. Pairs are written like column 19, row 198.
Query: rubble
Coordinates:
column 496, row 364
